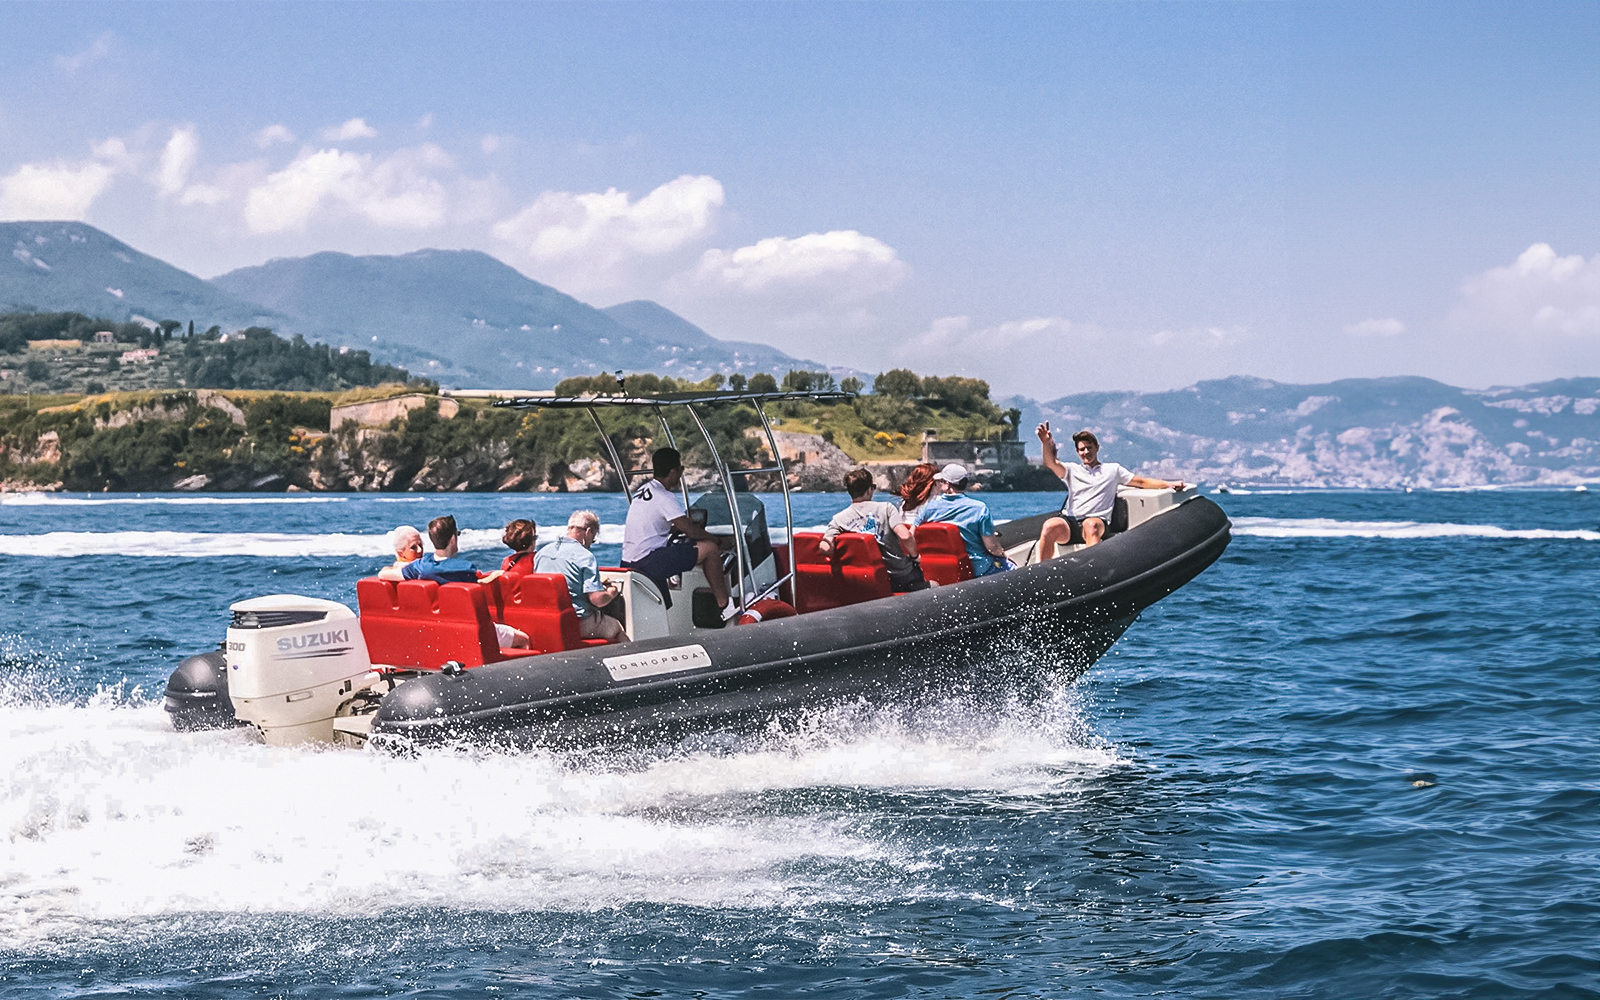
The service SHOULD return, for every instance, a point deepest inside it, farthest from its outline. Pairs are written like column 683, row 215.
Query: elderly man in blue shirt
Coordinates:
column 569, row 555
column 971, row 516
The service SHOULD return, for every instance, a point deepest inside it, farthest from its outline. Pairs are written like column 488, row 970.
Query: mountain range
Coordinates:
column 458, row 316
column 1367, row 432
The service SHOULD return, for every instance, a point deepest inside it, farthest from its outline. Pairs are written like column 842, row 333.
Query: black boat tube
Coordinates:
column 1070, row 609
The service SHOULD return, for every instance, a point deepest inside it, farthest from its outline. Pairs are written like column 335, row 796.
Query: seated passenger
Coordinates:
column 569, row 555
column 407, row 544
column 971, row 516
column 1091, row 491
column 444, row 566
column 520, row 537
column 658, row 538
column 883, row 520
column 917, row 490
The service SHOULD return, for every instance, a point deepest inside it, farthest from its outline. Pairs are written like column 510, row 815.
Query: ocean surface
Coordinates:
column 1357, row 757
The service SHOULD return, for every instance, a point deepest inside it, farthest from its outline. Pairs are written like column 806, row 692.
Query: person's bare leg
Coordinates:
column 602, row 626
column 711, row 562
column 1056, row 531
column 1094, row 530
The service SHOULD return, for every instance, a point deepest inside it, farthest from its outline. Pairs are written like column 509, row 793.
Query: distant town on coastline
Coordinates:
column 331, row 372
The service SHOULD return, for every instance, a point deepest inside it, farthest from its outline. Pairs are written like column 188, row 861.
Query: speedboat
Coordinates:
column 420, row 665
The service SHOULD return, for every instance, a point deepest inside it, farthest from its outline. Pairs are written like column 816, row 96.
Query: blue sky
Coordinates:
column 1057, row 197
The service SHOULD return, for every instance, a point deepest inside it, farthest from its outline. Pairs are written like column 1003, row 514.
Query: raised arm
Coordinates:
column 1051, row 462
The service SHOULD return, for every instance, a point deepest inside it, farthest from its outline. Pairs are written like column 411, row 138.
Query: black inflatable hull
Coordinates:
column 1059, row 616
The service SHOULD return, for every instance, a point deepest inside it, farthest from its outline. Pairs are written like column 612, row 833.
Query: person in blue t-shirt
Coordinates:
column 969, row 515
column 569, row 555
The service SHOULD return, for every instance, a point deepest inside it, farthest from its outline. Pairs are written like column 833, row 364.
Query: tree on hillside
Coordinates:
column 901, row 383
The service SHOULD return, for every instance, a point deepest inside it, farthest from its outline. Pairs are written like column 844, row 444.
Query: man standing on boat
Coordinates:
column 569, row 555
column 659, row 540
column 883, row 520
column 971, row 516
column 1091, row 491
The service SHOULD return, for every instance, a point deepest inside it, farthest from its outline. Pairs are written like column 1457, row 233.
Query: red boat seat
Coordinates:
column 540, row 605
column 851, row 574
column 943, row 554
column 422, row 625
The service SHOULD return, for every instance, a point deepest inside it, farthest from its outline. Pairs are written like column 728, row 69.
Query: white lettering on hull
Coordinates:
column 659, row 661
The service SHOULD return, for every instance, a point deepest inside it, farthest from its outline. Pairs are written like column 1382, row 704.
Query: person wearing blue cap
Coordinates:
column 971, row 516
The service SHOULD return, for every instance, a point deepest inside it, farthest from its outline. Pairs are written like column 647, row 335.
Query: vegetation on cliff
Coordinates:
column 251, row 439
column 255, row 358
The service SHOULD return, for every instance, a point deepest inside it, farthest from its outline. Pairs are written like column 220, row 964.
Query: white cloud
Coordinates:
column 52, row 191
column 273, row 134
column 397, row 192
column 1540, row 297
column 97, row 50
column 600, row 230
column 1376, row 328
column 203, row 194
column 490, row 143
column 177, row 159
column 355, row 128
column 843, row 265
column 115, row 152
column 1051, row 356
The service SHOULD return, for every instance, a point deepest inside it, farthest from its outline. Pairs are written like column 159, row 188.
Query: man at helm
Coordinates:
column 659, row 540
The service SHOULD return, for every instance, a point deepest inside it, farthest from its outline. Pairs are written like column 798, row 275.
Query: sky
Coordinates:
column 1057, row 198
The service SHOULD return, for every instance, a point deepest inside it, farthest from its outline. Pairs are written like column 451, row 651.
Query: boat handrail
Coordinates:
column 689, row 400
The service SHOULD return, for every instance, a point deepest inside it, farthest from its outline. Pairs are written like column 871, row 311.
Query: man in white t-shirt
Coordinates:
column 1091, row 491
column 648, row 545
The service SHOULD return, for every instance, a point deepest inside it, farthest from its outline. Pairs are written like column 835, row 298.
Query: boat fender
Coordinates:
column 765, row 611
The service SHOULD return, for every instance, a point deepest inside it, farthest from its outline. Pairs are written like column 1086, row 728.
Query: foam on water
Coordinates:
column 107, row 814
column 274, row 545
column 204, row 545
column 57, row 500
column 1322, row 527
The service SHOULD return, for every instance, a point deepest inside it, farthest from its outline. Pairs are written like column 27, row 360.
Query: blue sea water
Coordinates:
column 1358, row 757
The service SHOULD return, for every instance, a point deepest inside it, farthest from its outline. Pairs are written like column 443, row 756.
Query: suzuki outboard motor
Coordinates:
column 292, row 662
column 197, row 694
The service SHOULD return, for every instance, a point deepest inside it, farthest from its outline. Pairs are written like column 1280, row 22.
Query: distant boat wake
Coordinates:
column 273, row 545
column 1323, row 527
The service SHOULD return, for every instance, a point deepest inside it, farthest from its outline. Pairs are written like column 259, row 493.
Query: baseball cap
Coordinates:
column 952, row 473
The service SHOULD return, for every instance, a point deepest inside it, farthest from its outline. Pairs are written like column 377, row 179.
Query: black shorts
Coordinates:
column 1076, row 524
column 677, row 556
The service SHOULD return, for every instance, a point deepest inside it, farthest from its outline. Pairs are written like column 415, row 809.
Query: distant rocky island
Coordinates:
column 1382, row 433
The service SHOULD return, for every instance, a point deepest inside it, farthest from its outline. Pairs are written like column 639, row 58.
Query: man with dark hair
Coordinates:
column 882, row 520
column 659, row 540
column 971, row 516
column 1091, row 491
